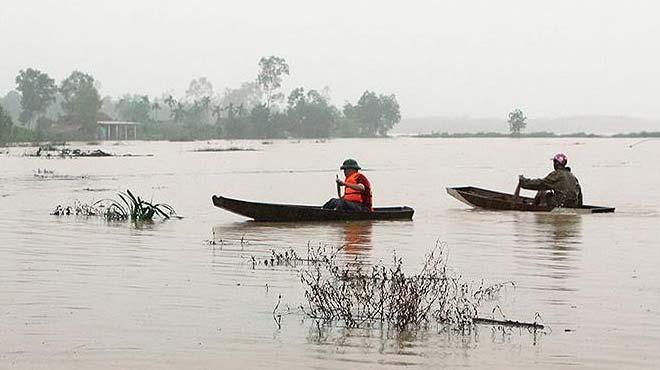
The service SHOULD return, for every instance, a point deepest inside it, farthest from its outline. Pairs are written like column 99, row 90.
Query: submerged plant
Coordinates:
column 127, row 207
column 77, row 209
column 360, row 295
column 130, row 207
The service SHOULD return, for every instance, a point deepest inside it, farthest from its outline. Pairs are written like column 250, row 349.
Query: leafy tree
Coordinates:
column 37, row 93
column 199, row 88
column 249, row 94
column 310, row 114
column 5, row 126
column 269, row 79
column 179, row 112
column 261, row 122
column 81, row 100
column 234, row 125
column 516, row 121
column 12, row 104
column 134, row 108
column 375, row 114
column 199, row 111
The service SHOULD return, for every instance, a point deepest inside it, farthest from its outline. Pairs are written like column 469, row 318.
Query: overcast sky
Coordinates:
column 456, row 58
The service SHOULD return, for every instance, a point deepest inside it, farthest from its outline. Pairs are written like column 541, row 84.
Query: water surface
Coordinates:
column 80, row 292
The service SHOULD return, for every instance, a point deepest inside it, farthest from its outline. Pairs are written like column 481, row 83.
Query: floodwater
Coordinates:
column 79, row 292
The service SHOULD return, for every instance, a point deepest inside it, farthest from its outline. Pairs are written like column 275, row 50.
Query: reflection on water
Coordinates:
column 549, row 249
column 562, row 231
column 355, row 234
column 357, row 238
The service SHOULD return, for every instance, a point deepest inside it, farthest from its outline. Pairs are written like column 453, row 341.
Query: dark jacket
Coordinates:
column 564, row 185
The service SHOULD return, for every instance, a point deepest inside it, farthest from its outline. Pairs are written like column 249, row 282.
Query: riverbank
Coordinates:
column 541, row 134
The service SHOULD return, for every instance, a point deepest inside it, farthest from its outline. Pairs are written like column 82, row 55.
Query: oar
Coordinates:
column 338, row 187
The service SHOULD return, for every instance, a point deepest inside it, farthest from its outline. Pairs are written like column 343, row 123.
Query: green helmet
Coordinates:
column 350, row 163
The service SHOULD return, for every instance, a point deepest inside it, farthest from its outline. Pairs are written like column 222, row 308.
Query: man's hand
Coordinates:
column 340, row 182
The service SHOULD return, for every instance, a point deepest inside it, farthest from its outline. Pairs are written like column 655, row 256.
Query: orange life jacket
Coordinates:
column 357, row 196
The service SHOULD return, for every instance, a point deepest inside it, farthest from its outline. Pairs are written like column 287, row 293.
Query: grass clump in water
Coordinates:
column 130, row 207
column 127, row 207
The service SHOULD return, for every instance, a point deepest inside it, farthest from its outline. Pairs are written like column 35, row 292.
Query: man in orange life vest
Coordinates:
column 357, row 190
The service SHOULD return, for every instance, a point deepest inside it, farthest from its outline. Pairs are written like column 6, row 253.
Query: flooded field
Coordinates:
column 84, row 293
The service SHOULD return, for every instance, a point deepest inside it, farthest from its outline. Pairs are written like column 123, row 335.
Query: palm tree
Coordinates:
column 155, row 107
column 216, row 112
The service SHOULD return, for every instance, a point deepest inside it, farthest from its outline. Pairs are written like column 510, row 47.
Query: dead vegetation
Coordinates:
column 361, row 295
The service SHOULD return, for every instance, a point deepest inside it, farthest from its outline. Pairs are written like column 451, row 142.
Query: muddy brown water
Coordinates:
column 82, row 293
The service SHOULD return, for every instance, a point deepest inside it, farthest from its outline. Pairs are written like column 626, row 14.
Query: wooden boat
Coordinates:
column 488, row 199
column 297, row 213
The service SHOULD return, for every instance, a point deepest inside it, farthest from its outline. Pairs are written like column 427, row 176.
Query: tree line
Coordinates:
column 256, row 109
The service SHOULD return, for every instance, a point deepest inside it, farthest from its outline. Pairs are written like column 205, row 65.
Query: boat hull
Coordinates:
column 298, row 213
column 493, row 200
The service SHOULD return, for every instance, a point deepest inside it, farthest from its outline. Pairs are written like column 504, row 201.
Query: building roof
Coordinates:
column 125, row 123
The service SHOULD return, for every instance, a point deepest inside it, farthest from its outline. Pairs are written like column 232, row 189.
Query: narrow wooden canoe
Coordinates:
column 298, row 213
column 488, row 199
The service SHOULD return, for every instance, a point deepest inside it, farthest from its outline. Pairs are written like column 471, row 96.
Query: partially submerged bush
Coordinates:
column 360, row 295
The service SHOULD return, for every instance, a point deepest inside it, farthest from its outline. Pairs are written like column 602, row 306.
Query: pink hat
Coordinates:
column 561, row 158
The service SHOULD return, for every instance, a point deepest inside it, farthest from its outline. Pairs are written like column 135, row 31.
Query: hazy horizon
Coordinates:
column 473, row 58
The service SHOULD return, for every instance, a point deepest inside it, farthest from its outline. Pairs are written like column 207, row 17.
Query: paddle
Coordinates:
column 516, row 193
column 338, row 187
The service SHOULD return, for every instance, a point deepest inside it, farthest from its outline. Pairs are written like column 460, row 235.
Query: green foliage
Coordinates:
column 249, row 95
column 238, row 114
column 198, row 112
column 136, row 108
column 516, row 122
column 81, row 101
column 269, row 79
column 199, row 88
column 5, row 126
column 12, row 104
column 262, row 122
column 374, row 114
column 310, row 115
column 37, row 93
column 130, row 207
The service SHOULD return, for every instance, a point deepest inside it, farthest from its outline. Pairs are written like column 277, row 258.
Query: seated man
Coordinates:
column 559, row 189
column 357, row 190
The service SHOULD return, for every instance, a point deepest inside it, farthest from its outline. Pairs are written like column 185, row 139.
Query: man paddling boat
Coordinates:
column 560, row 188
column 357, row 190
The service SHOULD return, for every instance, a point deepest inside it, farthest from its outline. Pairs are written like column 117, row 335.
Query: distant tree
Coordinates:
column 199, row 88
column 269, row 79
column 81, row 100
column 199, row 111
column 374, row 114
column 109, row 107
column 135, row 108
column 234, row 125
column 155, row 108
column 12, row 104
column 249, row 94
column 37, row 93
column 516, row 122
column 260, row 120
column 170, row 102
column 5, row 126
column 310, row 114
column 179, row 112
